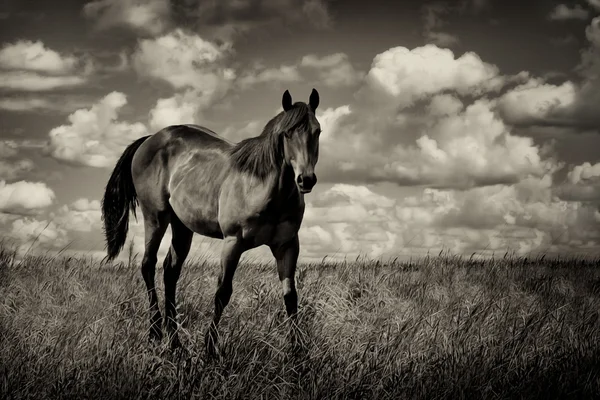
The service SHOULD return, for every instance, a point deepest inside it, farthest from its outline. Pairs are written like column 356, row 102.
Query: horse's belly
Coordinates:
column 200, row 218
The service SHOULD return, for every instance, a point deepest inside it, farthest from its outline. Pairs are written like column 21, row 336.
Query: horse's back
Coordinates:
column 180, row 168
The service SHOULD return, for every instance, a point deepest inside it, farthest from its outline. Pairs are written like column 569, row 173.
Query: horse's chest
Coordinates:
column 272, row 232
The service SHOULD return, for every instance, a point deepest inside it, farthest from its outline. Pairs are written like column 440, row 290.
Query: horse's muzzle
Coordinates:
column 306, row 182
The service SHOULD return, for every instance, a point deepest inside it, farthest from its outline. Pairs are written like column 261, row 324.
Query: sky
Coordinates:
column 466, row 126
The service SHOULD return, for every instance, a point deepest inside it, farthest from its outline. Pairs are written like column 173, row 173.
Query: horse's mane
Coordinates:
column 262, row 154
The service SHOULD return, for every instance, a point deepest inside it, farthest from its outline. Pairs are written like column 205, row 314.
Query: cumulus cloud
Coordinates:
column 537, row 101
column 444, row 104
column 65, row 104
column 24, row 196
column 582, row 184
column 31, row 81
column 29, row 231
column 94, row 137
column 452, row 147
column 563, row 12
column 442, row 39
column 82, row 215
column 595, row 4
column 181, row 108
column 261, row 74
column 8, row 148
column 150, row 17
column 185, row 61
column 34, row 56
column 348, row 220
column 584, row 172
column 31, row 66
column 330, row 120
column 237, row 132
column 409, row 126
column 333, row 70
column 406, row 76
column 572, row 104
column 12, row 170
column 589, row 66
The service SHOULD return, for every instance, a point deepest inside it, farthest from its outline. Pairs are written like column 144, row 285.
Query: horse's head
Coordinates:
column 301, row 139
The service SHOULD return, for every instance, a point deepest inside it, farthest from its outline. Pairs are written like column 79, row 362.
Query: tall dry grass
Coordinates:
column 442, row 327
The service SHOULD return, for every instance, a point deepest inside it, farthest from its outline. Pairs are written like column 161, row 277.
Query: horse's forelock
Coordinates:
column 289, row 120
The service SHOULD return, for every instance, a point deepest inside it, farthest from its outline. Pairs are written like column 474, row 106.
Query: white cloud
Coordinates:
column 333, row 70
column 444, row 104
column 13, row 170
column 31, row 66
column 261, row 74
column 471, row 148
column 82, row 215
column 407, row 126
column 442, row 39
column 595, row 4
column 182, row 108
column 237, row 133
column 584, row 172
column 34, row 56
column 30, row 231
column 8, row 148
column 32, row 81
column 184, row 61
column 589, row 66
column 451, row 147
column 94, row 136
column 150, row 17
column 410, row 75
column 330, row 119
column 36, row 104
column 562, row 12
column 23, row 196
column 537, row 101
column 348, row 220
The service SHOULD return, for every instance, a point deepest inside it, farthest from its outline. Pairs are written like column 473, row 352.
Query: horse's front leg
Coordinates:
column 286, row 256
column 230, row 256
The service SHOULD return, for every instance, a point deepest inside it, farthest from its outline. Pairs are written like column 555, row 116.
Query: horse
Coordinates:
column 247, row 194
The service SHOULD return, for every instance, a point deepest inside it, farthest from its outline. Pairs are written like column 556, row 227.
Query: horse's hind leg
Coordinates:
column 230, row 256
column 180, row 247
column 155, row 225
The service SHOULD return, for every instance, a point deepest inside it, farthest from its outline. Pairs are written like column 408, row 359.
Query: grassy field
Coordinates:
column 443, row 327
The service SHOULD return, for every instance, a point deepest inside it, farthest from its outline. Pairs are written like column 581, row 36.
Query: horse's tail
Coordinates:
column 119, row 198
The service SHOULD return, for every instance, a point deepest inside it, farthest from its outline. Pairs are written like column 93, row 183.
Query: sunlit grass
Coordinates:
column 442, row 327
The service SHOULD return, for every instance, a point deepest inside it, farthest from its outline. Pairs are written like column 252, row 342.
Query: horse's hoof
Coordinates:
column 211, row 347
column 155, row 336
column 174, row 342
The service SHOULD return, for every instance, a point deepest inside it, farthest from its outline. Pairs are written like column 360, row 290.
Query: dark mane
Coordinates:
column 262, row 154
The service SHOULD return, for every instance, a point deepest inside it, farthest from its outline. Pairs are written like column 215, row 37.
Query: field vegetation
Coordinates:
column 440, row 327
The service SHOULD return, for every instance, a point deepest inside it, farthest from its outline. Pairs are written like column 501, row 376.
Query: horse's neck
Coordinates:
column 285, row 187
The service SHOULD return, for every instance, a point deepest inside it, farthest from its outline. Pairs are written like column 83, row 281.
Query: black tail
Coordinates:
column 119, row 198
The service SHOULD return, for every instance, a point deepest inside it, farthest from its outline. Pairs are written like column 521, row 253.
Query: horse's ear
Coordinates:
column 286, row 101
column 313, row 101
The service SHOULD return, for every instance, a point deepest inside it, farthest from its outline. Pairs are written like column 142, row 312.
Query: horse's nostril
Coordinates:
column 299, row 180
